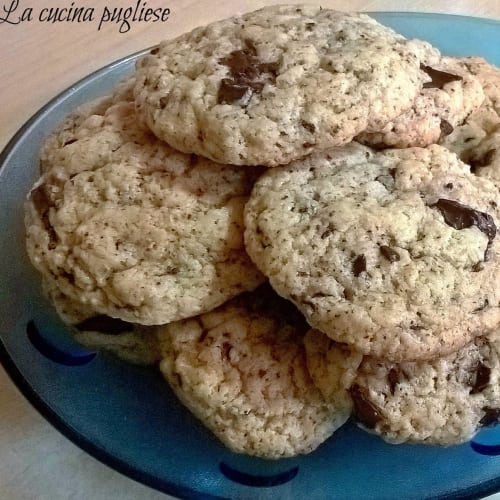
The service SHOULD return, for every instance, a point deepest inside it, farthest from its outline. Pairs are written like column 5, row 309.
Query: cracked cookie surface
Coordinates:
column 241, row 369
column 127, row 227
column 273, row 85
column 394, row 253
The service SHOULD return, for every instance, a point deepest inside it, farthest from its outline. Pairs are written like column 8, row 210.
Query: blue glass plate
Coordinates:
column 127, row 417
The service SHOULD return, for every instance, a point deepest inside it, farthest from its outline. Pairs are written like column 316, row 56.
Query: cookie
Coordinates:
column 394, row 253
column 441, row 402
column 273, row 85
column 446, row 99
column 241, row 370
column 127, row 227
column 477, row 140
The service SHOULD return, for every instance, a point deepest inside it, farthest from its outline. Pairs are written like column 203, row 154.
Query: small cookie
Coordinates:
column 443, row 402
column 447, row 98
column 477, row 140
column 273, row 85
column 127, row 227
column 394, row 253
column 241, row 370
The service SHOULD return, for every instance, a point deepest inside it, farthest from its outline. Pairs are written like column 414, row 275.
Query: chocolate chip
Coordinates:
column 310, row 127
column 482, row 378
column 154, row 51
column 327, row 232
column 449, row 185
column 246, row 75
column 69, row 141
column 477, row 267
column 438, row 78
column 105, row 324
column 389, row 253
column 230, row 91
column 359, row 265
column 461, row 216
column 393, row 379
column 367, row 412
column 491, row 416
column 243, row 62
column 482, row 161
column 446, row 128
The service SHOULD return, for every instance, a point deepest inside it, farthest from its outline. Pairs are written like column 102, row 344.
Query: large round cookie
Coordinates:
column 125, row 226
column 241, row 370
column 394, row 252
column 477, row 140
column 444, row 401
column 451, row 94
column 273, row 85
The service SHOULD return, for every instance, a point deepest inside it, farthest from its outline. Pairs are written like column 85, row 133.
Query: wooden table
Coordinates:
column 39, row 60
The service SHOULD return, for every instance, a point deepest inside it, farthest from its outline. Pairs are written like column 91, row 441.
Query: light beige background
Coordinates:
column 38, row 61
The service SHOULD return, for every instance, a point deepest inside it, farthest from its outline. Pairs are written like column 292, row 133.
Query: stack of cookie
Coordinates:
column 293, row 212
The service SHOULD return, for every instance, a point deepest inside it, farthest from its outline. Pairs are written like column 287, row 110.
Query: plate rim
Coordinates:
column 57, row 422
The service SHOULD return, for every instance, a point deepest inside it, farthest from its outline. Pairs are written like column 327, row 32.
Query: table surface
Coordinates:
column 39, row 60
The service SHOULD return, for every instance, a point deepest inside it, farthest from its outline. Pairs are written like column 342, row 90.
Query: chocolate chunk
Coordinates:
column 482, row 378
column 389, row 253
column 367, row 412
column 154, row 51
column 231, row 91
column 246, row 75
column 491, row 416
column 359, row 265
column 482, row 161
column 105, row 324
column 393, row 379
column 243, row 62
column 446, row 128
column 461, row 216
column 438, row 78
